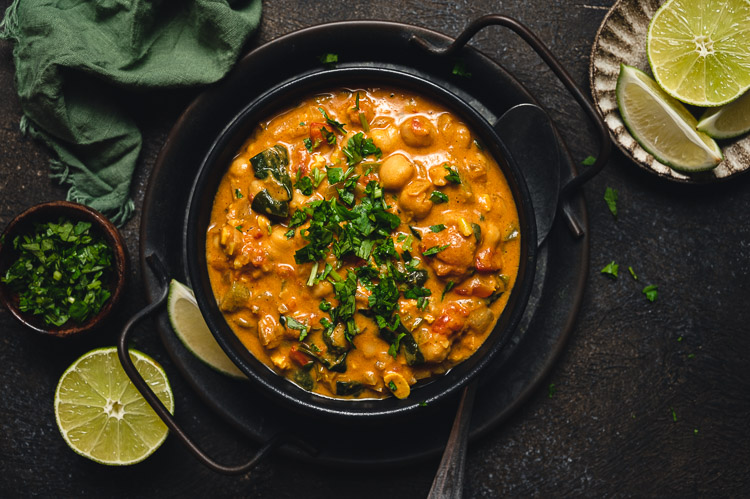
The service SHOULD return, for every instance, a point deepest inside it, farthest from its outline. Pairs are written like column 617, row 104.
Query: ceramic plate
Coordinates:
column 622, row 39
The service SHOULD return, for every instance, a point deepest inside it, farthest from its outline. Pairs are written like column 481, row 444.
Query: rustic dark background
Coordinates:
column 650, row 399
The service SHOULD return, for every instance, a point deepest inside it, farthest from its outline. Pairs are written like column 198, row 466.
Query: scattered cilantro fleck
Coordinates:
column 679, row 338
column 239, row 228
column 317, row 176
column 393, row 349
column 610, row 196
column 392, row 386
column 448, row 287
column 329, row 58
column 422, row 404
column 292, row 323
column 358, row 147
column 611, row 269
column 632, row 273
column 674, row 414
column 238, row 194
column 305, row 186
column 551, row 390
column 650, row 292
column 435, row 250
column 333, row 123
column 590, row 160
column 691, row 356
column 452, row 174
column 695, row 431
column 61, row 272
column 437, row 228
column 438, row 197
column 459, row 69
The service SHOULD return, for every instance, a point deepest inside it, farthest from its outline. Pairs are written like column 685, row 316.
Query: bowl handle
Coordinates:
column 157, row 267
column 605, row 146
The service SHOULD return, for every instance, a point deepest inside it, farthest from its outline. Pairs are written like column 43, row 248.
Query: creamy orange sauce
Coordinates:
column 456, row 225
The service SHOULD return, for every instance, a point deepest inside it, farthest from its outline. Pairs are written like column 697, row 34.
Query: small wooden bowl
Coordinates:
column 51, row 212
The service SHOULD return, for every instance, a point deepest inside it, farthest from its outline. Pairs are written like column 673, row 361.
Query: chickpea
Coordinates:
column 418, row 132
column 240, row 167
column 415, row 198
column 385, row 138
column 396, row 171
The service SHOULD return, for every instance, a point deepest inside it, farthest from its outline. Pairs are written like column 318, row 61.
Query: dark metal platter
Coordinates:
column 531, row 351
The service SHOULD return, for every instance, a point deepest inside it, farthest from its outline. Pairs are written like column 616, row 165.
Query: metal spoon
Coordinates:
column 527, row 132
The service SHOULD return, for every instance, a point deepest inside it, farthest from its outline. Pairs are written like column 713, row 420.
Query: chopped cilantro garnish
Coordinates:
column 610, row 197
column 329, row 58
column 437, row 228
column 239, row 228
column 632, row 273
column 393, row 349
column 333, row 123
column 61, row 272
column 435, row 250
column 650, row 292
column 292, row 323
column 358, row 148
column 237, row 194
column 590, row 160
column 448, row 287
column 305, row 186
column 438, row 197
column 674, row 414
column 459, row 69
column 611, row 269
column 551, row 390
column 310, row 145
column 452, row 174
column 392, row 386
column 317, row 176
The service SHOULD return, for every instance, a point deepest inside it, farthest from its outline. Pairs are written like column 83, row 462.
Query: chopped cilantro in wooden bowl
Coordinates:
column 62, row 268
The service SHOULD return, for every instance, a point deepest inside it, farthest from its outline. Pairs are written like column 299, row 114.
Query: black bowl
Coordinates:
column 216, row 163
column 50, row 212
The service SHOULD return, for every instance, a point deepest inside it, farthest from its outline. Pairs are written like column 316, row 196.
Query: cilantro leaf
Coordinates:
column 358, row 147
column 333, row 123
column 438, row 197
column 435, row 250
column 650, row 292
column 329, row 58
column 452, row 175
column 437, row 228
column 305, row 186
column 610, row 196
column 590, row 160
column 611, row 269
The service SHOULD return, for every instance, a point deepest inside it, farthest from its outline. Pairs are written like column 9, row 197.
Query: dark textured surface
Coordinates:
column 631, row 368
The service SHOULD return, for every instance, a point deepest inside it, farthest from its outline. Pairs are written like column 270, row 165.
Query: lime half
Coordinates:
column 101, row 414
column 699, row 51
column 191, row 328
column 728, row 121
column 662, row 125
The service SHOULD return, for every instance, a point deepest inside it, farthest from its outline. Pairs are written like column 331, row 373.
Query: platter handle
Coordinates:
column 605, row 146
column 157, row 267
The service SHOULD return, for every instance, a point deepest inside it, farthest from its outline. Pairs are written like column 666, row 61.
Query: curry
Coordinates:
column 362, row 241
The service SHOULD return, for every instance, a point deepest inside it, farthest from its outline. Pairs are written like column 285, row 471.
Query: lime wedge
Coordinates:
column 101, row 414
column 662, row 125
column 699, row 51
column 727, row 121
column 191, row 328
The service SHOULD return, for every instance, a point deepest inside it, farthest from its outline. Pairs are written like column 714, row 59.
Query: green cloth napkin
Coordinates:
column 74, row 58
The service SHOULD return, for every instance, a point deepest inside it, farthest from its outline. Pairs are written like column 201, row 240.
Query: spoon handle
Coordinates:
column 449, row 479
